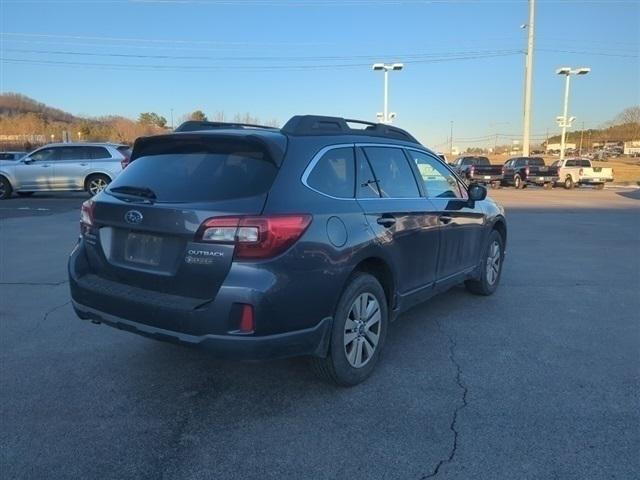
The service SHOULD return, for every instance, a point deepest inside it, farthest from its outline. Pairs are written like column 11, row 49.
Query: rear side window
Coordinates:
column 71, row 153
column 392, row 171
column 570, row 163
column 334, row 173
column 585, row 163
column 201, row 172
column 97, row 152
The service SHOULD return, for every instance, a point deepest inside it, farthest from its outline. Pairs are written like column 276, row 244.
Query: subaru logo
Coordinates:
column 133, row 216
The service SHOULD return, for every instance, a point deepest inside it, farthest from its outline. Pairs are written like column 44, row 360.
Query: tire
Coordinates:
column 568, row 183
column 600, row 186
column 548, row 186
column 491, row 269
column 5, row 188
column 94, row 184
column 24, row 194
column 517, row 182
column 353, row 337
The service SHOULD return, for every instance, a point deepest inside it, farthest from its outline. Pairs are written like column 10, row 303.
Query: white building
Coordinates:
column 632, row 147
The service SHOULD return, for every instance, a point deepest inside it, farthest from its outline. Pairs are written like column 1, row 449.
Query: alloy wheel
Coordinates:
column 493, row 263
column 96, row 185
column 362, row 330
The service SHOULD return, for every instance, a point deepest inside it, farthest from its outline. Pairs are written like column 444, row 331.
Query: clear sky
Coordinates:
column 275, row 58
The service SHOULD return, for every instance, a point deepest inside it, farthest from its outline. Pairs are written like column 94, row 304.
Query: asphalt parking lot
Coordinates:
column 539, row 381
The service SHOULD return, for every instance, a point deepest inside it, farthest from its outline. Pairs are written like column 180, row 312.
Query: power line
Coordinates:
column 247, row 67
column 415, row 56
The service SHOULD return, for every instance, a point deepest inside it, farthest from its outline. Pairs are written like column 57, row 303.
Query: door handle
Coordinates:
column 386, row 221
column 45, row 165
column 446, row 219
column 84, row 164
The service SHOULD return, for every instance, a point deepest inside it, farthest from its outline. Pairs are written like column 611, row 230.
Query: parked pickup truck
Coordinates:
column 478, row 170
column 523, row 171
column 580, row 171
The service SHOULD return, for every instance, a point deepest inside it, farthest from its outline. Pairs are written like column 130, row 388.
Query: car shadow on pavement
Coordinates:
column 632, row 194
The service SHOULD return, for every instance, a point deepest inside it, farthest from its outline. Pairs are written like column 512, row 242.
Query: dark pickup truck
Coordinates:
column 478, row 170
column 523, row 171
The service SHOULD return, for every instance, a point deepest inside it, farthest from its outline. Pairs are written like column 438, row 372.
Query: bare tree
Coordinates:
column 628, row 115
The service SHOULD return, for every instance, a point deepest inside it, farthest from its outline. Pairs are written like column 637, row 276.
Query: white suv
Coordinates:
column 64, row 167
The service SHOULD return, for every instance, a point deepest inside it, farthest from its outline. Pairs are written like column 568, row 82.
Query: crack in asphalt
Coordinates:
column 36, row 284
column 49, row 312
column 454, row 419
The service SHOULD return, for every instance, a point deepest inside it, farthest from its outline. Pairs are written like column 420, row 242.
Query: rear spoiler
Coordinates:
column 191, row 142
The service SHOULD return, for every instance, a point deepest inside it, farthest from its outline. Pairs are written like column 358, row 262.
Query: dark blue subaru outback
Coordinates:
column 255, row 242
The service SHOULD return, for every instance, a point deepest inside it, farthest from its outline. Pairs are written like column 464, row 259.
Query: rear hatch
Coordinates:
column 146, row 226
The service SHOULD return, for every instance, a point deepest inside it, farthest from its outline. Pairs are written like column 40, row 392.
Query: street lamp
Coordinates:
column 386, row 117
column 564, row 121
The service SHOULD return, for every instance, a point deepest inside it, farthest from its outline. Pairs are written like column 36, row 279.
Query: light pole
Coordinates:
column 565, row 121
column 386, row 67
column 451, row 140
column 528, row 80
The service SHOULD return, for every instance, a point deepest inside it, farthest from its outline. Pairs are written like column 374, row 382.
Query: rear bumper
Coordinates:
column 479, row 178
column 311, row 341
column 541, row 180
column 281, row 331
column 594, row 181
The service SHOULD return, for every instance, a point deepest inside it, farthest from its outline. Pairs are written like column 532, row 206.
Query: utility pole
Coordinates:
column 581, row 137
column 172, row 119
column 451, row 140
column 526, row 134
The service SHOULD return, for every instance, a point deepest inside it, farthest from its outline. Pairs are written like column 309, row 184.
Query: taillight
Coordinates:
column 502, row 170
column 255, row 237
column 526, row 171
column 125, row 161
column 580, row 172
column 472, row 170
column 86, row 215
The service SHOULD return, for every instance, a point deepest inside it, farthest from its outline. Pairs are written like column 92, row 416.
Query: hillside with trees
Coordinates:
column 623, row 128
column 26, row 123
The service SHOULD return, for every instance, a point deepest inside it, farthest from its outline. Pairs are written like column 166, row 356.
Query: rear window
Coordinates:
column 535, row 162
column 125, row 150
column 204, row 173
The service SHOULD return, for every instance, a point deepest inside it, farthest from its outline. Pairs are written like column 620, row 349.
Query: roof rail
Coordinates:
column 322, row 125
column 195, row 125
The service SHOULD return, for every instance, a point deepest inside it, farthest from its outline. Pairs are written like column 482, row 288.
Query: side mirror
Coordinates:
column 477, row 192
column 26, row 160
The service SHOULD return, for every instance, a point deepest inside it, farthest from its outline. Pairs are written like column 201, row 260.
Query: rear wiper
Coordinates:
column 134, row 191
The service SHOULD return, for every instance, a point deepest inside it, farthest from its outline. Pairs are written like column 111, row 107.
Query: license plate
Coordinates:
column 540, row 178
column 595, row 179
column 143, row 249
column 487, row 177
